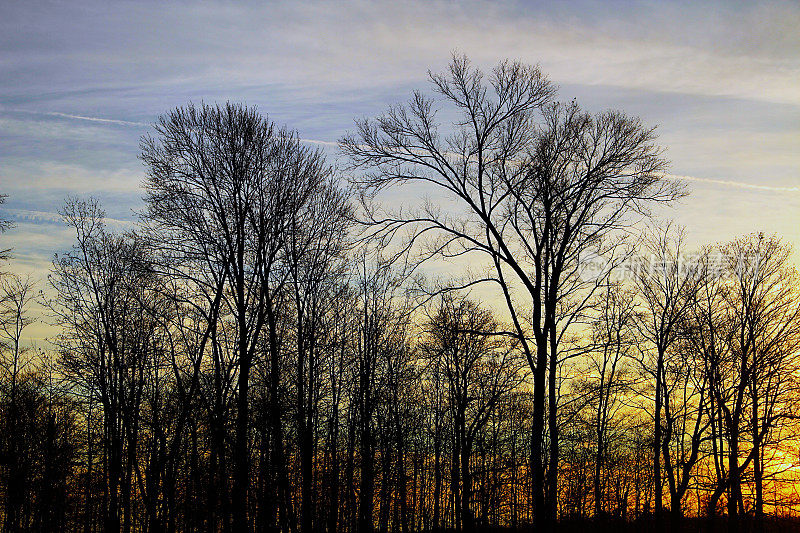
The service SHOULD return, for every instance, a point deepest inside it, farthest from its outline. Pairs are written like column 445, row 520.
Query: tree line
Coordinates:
column 262, row 351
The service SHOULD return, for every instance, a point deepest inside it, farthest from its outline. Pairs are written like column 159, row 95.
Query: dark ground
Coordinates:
column 687, row 525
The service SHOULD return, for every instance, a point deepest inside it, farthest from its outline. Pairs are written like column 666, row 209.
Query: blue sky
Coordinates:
column 81, row 81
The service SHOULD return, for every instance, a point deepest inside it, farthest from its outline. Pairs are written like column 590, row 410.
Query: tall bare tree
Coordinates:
column 228, row 182
column 612, row 342
column 481, row 368
column 105, row 340
column 315, row 259
column 16, row 296
column 666, row 281
column 536, row 194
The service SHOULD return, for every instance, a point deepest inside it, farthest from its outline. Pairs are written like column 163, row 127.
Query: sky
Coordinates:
column 80, row 83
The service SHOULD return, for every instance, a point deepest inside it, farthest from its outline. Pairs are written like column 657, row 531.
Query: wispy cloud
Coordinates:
column 333, row 144
column 33, row 217
column 25, row 216
column 30, row 178
column 732, row 50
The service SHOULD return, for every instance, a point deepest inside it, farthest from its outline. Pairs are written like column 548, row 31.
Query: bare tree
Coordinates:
column 227, row 181
column 762, row 317
column 380, row 330
column 315, row 258
column 105, row 340
column 481, row 368
column 709, row 330
column 613, row 342
column 534, row 197
column 666, row 283
column 16, row 296
column 770, row 314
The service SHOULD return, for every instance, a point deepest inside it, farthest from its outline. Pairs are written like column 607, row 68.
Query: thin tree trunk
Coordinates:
column 657, row 488
column 552, row 417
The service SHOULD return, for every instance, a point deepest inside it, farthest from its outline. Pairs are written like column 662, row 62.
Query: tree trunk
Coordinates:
column 241, row 479
column 735, row 488
column 657, row 488
column 333, row 504
column 598, row 469
column 552, row 417
column 537, row 437
column 437, row 479
column 367, row 485
column 758, row 471
column 467, row 519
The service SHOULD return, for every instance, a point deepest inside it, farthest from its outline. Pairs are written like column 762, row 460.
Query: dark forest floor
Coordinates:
column 687, row 525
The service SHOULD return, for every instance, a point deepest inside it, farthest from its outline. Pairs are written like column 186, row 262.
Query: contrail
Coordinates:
column 80, row 117
column 315, row 141
column 125, row 122
column 737, row 184
column 97, row 119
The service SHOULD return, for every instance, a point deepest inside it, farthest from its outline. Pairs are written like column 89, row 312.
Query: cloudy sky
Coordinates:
column 81, row 81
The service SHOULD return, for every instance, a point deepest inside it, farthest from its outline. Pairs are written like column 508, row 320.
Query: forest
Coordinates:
column 479, row 317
